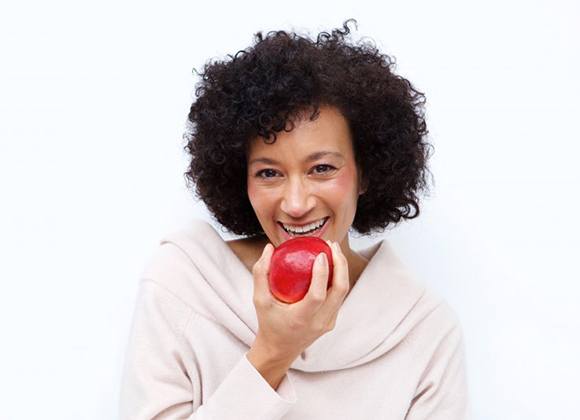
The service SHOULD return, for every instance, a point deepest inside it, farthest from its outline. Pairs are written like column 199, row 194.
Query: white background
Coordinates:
column 93, row 102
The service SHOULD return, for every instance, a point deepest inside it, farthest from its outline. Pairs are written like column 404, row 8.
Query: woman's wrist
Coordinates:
column 272, row 367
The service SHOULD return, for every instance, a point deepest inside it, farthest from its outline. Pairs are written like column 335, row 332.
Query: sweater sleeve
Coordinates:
column 442, row 392
column 157, row 380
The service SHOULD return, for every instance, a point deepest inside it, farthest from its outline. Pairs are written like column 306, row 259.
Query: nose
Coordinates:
column 297, row 200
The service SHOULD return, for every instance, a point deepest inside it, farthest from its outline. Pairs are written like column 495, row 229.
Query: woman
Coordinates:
column 295, row 136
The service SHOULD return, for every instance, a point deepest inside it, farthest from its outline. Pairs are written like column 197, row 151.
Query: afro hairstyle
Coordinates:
column 261, row 90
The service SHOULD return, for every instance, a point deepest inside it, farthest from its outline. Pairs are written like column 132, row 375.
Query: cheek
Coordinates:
column 259, row 197
column 253, row 195
column 343, row 184
column 250, row 189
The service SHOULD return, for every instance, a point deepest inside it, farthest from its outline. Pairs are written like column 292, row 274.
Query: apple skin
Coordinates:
column 291, row 267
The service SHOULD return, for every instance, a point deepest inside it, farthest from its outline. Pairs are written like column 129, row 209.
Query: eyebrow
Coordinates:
column 311, row 157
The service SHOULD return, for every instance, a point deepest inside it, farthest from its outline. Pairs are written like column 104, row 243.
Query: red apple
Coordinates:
column 291, row 267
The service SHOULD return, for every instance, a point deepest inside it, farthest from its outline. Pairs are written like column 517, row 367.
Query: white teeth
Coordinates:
column 302, row 229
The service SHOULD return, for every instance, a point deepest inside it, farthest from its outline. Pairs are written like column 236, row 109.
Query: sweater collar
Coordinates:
column 370, row 321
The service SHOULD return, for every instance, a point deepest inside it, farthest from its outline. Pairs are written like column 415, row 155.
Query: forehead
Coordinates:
column 328, row 132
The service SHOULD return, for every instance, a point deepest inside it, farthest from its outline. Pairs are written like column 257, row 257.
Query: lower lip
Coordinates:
column 316, row 234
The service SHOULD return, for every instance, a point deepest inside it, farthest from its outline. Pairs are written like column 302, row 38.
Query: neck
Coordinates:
column 356, row 262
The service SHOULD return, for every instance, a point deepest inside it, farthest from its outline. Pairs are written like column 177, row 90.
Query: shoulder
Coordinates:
column 437, row 323
column 195, row 265
column 182, row 255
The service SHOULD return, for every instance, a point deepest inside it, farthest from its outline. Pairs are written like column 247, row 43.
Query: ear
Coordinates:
column 362, row 182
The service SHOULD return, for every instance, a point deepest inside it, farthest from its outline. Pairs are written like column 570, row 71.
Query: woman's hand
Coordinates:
column 285, row 330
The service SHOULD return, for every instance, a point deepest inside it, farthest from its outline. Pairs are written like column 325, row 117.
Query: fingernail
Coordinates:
column 320, row 258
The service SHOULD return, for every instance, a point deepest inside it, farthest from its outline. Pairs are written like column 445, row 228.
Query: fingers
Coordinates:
column 317, row 290
column 260, row 273
column 340, row 282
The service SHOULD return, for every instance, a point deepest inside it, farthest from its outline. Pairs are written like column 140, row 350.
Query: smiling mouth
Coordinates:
column 310, row 232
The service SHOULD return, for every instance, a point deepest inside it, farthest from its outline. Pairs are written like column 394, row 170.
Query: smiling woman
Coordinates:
column 296, row 137
column 262, row 92
column 308, row 176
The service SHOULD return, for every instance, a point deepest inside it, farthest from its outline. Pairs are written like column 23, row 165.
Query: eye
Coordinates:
column 330, row 168
column 319, row 169
column 259, row 173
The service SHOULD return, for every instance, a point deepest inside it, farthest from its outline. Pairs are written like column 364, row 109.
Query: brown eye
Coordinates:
column 259, row 173
column 329, row 168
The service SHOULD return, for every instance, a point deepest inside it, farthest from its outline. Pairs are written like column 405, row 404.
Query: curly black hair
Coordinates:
column 263, row 89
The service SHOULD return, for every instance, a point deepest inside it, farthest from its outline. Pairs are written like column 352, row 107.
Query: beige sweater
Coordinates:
column 396, row 352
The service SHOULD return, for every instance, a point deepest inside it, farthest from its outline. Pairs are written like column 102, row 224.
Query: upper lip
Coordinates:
column 306, row 223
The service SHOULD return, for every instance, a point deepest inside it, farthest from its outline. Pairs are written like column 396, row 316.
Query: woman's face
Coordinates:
column 291, row 181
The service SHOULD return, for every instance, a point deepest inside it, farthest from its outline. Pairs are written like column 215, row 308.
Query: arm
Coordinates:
column 442, row 392
column 272, row 370
column 159, row 371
